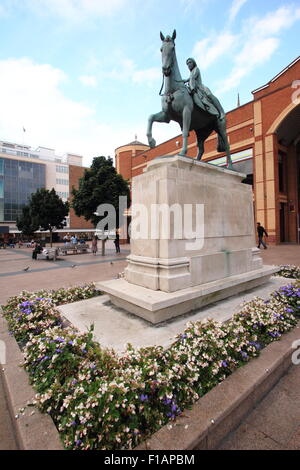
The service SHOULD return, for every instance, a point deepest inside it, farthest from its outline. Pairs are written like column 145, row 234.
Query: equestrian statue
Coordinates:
column 189, row 103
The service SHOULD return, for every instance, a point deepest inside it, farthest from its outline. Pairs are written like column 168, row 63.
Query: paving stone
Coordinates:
column 248, row 437
column 7, row 432
column 88, row 269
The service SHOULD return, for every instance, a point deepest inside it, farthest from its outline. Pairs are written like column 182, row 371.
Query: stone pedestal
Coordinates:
column 193, row 228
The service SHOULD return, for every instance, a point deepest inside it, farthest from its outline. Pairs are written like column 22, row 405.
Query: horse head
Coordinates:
column 168, row 52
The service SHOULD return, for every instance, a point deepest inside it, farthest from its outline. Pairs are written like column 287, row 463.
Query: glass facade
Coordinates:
column 18, row 180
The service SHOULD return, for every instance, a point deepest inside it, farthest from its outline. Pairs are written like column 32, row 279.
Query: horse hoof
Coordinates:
column 152, row 143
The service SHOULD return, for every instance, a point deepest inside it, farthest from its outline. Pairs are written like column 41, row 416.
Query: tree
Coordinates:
column 45, row 210
column 100, row 184
column 26, row 223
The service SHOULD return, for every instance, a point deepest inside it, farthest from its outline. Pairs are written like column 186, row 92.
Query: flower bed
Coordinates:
column 99, row 400
column 289, row 270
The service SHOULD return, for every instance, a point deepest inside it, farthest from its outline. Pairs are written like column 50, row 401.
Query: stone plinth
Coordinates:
column 184, row 187
column 192, row 231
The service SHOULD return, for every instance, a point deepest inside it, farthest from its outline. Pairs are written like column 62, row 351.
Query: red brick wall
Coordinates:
column 75, row 173
column 125, row 164
column 274, row 98
column 277, row 95
column 235, row 117
column 284, row 80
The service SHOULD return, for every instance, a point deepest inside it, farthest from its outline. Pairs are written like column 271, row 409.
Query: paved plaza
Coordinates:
column 274, row 424
column 69, row 270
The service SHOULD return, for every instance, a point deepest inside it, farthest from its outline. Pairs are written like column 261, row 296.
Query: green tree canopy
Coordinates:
column 45, row 210
column 100, row 184
column 26, row 223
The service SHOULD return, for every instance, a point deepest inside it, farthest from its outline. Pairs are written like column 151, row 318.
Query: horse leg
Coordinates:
column 200, row 143
column 201, row 137
column 229, row 161
column 158, row 117
column 223, row 144
column 186, row 122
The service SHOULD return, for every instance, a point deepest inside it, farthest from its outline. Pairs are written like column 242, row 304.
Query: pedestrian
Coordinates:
column 95, row 245
column 36, row 250
column 117, row 242
column 74, row 240
column 261, row 231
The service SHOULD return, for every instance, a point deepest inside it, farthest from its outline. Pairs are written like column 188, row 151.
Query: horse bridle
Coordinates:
column 163, row 82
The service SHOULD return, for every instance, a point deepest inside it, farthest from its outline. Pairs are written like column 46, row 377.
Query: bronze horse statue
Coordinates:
column 178, row 105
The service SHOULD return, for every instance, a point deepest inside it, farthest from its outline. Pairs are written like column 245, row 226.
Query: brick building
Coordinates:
column 77, row 223
column 264, row 137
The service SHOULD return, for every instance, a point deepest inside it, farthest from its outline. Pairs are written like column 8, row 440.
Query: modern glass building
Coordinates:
column 18, row 180
column 24, row 170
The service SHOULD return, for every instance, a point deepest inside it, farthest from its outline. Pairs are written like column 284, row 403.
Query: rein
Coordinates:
column 163, row 82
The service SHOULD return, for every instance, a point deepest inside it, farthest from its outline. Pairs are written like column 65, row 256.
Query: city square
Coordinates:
column 150, row 290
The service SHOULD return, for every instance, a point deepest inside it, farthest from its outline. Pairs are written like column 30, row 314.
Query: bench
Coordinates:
column 48, row 253
column 74, row 248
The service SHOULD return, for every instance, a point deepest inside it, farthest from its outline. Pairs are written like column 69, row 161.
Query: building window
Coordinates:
column 63, row 194
column 62, row 169
column 62, row 181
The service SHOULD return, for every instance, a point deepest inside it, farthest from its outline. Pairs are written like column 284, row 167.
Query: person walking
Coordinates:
column 95, row 245
column 261, row 231
column 37, row 249
column 117, row 242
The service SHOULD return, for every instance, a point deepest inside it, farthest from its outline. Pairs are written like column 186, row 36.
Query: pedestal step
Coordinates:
column 158, row 306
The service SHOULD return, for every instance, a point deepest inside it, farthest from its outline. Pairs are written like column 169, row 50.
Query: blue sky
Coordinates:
column 84, row 75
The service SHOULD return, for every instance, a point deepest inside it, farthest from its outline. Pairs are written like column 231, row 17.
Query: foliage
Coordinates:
column 31, row 313
column 45, row 210
column 290, row 297
column 289, row 270
column 100, row 184
column 99, row 400
column 27, row 223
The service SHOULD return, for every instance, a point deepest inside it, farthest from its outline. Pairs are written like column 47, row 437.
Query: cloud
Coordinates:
column 32, row 96
column 148, row 76
column 208, row 50
column 235, row 8
column 2, row 11
column 274, row 22
column 259, row 39
column 88, row 80
column 189, row 5
column 127, row 70
column 251, row 56
column 76, row 10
